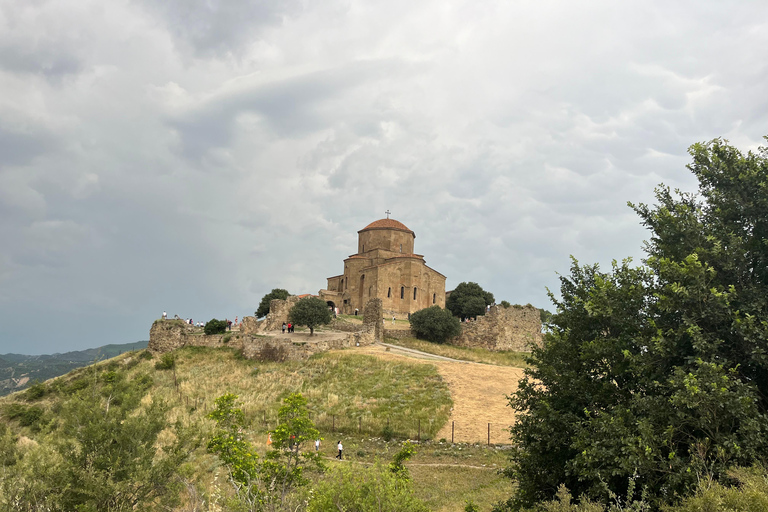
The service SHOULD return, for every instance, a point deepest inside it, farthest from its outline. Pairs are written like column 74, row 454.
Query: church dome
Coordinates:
column 386, row 224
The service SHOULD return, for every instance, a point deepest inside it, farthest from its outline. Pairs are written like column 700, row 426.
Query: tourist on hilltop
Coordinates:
column 340, row 447
column 165, row 315
column 284, row 327
column 317, row 444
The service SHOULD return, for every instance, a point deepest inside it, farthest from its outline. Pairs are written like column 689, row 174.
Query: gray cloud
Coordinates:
column 189, row 157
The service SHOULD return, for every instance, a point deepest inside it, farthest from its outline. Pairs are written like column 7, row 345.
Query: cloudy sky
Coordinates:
column 191, row 155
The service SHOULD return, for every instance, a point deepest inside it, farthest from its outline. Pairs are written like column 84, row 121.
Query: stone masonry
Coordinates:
column 513, row 328
column 167, row 335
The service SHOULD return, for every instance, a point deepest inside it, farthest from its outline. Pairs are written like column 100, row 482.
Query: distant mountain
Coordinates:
column 18, row 371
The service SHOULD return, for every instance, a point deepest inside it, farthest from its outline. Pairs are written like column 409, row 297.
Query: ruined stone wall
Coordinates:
column 399, row 334
column 250, row 325
column 167, row 335
column 278, row 313
column 513, row 328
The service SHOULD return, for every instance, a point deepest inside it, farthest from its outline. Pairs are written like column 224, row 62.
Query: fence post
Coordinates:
column 452, row 424
column 489, row 434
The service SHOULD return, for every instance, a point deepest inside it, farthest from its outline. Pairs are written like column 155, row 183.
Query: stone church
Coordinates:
column 386, row 267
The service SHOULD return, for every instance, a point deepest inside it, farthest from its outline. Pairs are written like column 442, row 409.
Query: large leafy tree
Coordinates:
column 468, row 300
column 276, row 293
column 310, row 311
column 658, row 375
column 435, row 324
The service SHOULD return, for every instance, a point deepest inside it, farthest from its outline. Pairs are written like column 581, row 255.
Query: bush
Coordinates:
column 167, row 362
column 35, row 392
column 215, row 326
column 27, row 416
column 364, row 489
column 387, row 433
column 505, row 304
column 145, row 355
column 226, row 337
column 435, row 324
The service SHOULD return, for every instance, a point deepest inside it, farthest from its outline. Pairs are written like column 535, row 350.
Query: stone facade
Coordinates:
column 385, row 267
column 514, row 328
column 167, row 335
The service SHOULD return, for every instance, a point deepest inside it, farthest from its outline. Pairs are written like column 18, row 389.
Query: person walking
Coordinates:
column 283, row 327
column 340, row 447
column 317, row 444
column 165, row 315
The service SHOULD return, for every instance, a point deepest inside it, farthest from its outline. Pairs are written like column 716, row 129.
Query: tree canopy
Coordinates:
column 468, row 300
column 310, row 311
column 654, row 377
column 276, row 293
column 435, row 324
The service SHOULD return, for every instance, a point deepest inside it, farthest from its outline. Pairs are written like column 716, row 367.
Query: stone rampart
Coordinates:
column 167, row 335
column 513, row 328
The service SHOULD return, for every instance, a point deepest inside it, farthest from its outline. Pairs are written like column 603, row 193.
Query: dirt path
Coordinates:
column 478, row 391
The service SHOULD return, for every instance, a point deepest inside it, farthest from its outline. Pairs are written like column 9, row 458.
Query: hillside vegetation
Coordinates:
column 18, row 371
column 71, row 433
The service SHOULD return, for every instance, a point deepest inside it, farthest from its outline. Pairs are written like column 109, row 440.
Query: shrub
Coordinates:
column 226, row 337
column 435, row 324
column 35, row 392
column 167, row 362
column 364, row 489
column 215, row 326
column 145, row 354
column 387, row 433
column 505, row 304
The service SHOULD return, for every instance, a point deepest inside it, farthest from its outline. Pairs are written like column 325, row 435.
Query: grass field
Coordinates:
column 477, row 355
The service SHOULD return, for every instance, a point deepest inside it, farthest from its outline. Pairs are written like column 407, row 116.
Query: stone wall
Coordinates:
column 167, row 335
column 513, row 328
column 399, row 334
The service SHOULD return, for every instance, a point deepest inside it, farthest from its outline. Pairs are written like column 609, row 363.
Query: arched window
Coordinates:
column 389, row 292
column 402, row 292
column 363, row 247
column 342, row 286
column 434, row 298
column 414, row 293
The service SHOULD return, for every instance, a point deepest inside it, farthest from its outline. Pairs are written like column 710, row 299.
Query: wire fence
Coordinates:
column 387, row 427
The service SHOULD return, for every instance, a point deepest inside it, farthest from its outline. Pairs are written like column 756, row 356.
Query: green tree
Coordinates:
column 266, row 484
column 435, row 324
column 214, row 326
column 657, row 376
column 310, row 311
column 468, row 300
column 276, row 293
